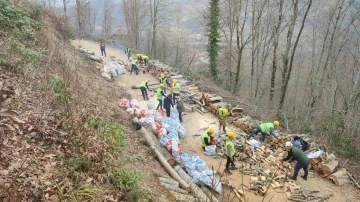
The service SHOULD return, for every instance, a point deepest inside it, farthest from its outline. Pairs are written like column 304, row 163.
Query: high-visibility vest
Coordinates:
column 163, row 80
column 127, row 50
column 266, row 127
column 145, row 57
column 143, row 84
column 176, row 88
column 134, row 62
column 159, row 96
column 232, row 148
column 221, row 115
column 205, row 135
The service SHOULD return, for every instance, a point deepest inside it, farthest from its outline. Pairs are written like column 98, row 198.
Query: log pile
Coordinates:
column 176, row 192
column 324, row 166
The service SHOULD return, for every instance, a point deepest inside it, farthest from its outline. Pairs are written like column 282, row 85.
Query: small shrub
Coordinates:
column 110, row 130
column 128, row 180
column 57, row 85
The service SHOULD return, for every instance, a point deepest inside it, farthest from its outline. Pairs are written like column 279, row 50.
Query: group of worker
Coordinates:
column 139, row 58
column 166, row 101
column 295, row 149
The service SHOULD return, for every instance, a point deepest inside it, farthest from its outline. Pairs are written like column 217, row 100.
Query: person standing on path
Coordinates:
column 168, row 104
column 266, row 128
column 181, row 108
column 164, row 81
column 159, row 96
column 295, row 153
column 134, row 67
column 102, row 49
column 128, row 52
column 143, row 87
column 222, row 114
column 176, row 89
column 230, row 152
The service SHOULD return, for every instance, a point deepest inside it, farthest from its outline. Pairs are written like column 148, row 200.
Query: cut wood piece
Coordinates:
column 195, row 190
column 277, row 184
column 193, row 88
column 238, row 195
column 353, row 180
column 340, row 177
column 241, row 192
column 236, row 111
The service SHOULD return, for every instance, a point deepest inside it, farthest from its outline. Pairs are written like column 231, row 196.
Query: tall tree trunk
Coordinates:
column 289, row 68
column 276, row 44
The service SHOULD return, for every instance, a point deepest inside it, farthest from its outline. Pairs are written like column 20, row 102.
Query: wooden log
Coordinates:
column 173, row 188
column 195, row 190
column 215, row 99
column 177, row 77
column 328, row 167
column 162, row 160
column 209, row 194
column 340, row 177
column 168, row 181
column 157, row 174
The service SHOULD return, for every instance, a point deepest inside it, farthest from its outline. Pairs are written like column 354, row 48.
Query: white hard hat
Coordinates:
column 288, row 144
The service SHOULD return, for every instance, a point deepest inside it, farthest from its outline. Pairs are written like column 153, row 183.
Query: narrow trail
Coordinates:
column 193, row 121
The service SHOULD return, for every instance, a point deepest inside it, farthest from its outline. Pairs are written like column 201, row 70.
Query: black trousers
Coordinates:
column 146, row 62
column 228, row 162
column 167, row 112
column 134, row 68
column 144, row 93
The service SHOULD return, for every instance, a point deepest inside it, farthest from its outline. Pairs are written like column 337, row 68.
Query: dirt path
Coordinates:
column 194, row 121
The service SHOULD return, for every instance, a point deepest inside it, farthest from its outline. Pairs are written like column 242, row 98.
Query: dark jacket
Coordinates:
column 168, row 102
column 296, row 154
column 180, row 106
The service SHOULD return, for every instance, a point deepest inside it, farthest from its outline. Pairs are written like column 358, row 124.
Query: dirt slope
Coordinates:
column 194, row 121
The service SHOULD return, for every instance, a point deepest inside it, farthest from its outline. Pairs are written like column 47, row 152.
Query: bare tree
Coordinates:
column 107, row 20
column 134, row 12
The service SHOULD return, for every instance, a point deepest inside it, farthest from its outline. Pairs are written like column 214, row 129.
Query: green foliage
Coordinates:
column 110, row 130
column 128, row 180
column 19, row 28
column 213, row 35
column 57, row 85
column 71, row 34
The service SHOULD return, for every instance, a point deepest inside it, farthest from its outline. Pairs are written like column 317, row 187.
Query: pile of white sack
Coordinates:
column 112, row 69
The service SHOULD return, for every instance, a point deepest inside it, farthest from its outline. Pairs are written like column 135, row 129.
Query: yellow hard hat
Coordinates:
column 225, row 111
column 161, row 85
column 162, row 75
column 277, row 123
column 174, row 81
column 211, row 130
column 231, row 134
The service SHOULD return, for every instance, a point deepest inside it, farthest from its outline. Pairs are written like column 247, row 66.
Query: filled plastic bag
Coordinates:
column 163, row 141
column 190, row 166
column 174, row 113
column 181, row 132
column 254, row 143
column 151, row 105
column 134, row 103
column 210, row 150
column 124, row 103
column 185, row 157
column 200, row 165
column 316, row 154
column 106, row 75
column 130, row 111
column 175, row 151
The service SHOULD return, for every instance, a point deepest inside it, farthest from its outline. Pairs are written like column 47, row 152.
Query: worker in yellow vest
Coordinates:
column 164, row 81
column 143, row 87
column 222, row 114
column 207, row 139
column 176, row 90
column 230, row 152
column 159, row 96
column 266, row 128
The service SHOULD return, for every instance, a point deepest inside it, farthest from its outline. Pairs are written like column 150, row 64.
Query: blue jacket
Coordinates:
column 168, row 102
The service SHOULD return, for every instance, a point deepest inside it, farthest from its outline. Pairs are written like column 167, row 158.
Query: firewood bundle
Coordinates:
column 324, row 166
column 302, row 195
column 276, row 145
